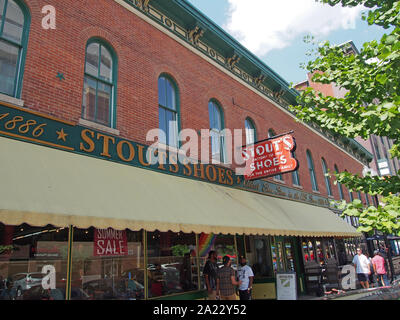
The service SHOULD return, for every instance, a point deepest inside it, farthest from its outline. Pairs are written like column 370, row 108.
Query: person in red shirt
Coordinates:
column 378, row 263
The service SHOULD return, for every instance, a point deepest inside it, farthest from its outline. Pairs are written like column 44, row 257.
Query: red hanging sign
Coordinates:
column 270, row 157
column 110, row 242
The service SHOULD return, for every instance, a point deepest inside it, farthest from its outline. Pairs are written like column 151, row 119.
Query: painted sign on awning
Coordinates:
column 270, row 157
column 110, row 242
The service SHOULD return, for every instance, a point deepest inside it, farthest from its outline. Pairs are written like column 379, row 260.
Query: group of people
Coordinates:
column 221, row 282
column 370, row 270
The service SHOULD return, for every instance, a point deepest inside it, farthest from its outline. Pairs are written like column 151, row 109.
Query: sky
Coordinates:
column 274, row 30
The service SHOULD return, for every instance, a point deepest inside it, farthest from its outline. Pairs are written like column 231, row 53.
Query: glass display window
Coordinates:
column 171, row 263
column 108, row 264
column 33, row 263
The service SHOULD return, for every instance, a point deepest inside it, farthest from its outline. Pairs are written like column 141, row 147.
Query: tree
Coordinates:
column 370, row 106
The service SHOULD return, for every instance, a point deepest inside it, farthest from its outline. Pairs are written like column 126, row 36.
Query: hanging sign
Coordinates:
column 270, row 157
column 110, row 242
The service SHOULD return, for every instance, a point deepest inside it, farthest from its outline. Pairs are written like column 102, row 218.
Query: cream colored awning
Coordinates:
column 41, row 185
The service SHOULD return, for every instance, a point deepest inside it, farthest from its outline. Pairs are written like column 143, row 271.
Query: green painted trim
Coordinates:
column 193, row 295
column 18, row 81
column 69, row 262
column 177, row 99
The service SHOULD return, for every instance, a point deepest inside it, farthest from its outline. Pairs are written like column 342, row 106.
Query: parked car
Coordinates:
column 25, row 281
column 114, row 289
column 38, row 293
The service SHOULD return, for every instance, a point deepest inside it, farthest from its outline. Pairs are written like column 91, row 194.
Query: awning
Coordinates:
column 41, row 185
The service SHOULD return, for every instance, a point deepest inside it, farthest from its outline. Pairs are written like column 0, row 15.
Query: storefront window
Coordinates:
column 277, row 255
column 33, row 262
column 108, row 264
column 289, row 256
column 319, row 252
column 261, row 261
column 172, row 263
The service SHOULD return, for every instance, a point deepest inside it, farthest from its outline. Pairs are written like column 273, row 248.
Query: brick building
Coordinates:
column 77, row 103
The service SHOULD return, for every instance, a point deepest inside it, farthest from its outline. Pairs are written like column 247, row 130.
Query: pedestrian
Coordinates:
column 210, row 275
column 361, row 264
column 378, row 263
column 371, row 276
column 226, row 281
column 246, row 275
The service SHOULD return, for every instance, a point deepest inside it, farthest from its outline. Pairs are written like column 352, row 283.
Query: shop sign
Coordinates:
column 286, row 286
column 110, row 242
column 270, row 157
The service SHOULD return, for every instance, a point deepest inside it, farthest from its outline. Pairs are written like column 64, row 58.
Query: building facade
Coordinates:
column 81, row 197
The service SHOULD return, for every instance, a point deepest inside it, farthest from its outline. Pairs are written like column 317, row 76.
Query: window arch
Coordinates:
column 14, row 29
column 168, row 110
column 216, row 126
column 99, row 91
column 251, row 132
column 327, row 179
column 272, row 133
column 340, row 188
column 311, row 169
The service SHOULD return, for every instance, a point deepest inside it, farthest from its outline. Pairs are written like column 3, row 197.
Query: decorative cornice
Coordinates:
column 264, row 80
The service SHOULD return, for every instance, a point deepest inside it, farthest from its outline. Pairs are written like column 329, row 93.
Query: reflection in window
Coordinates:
column 30, row 255
column 168, row 111
column 13, row 27
column 250, row 131
column 108, row 264
column 216, row 127
column 98, row 87
column 172, row 263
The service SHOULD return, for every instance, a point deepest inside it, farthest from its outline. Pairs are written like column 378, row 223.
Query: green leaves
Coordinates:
column 371, row 106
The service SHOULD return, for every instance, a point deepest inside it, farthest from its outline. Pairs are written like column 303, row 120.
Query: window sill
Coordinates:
column 98, row 126
column 8, row 99
column 317, row 192
column 279, row 181
column 297, row 186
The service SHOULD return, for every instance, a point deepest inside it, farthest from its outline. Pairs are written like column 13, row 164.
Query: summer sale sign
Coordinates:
column 110, row 242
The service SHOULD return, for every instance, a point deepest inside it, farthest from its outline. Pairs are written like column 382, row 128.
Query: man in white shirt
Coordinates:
column 246, row 275
column 362, row 266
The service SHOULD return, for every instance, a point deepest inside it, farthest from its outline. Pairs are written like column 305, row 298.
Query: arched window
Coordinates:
column 311, row 169
column 14, row 26
column 339, row 185
column 99, row 89
column 367, row 199
column 216, row 127
column 272, row 133
column 350, row 192
column 251, row 134
column 327, row 179
column 168, row 111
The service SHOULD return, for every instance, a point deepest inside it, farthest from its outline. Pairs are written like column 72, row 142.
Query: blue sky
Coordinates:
column 274, row 31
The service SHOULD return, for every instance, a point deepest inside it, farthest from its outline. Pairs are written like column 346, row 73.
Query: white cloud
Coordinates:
column 264, row 25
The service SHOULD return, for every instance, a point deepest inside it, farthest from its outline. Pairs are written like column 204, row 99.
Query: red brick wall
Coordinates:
column 143, row 54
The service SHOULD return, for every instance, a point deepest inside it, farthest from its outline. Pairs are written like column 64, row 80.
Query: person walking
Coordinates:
column 226, row 281
column 210, row 275
column 361, row 264
column 378, row 263
column 246, row 275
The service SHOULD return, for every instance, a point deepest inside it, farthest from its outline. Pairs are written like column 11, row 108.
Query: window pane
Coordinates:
column 14, row 24
column 8, row 68
column 162, row 124
column 250, row 132
column 172, row 128
column 107, row 264
column 215, row 145
column 106, row 64
column 103, row 104
column 172, row 263
column 2, row 7
column 89, row 99
column 92, row 59
column 289, row 257
column 162, row 92
column 28, row 254
column 170, row 95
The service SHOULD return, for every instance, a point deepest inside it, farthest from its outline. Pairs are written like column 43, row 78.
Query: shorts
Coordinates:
column 362, row 277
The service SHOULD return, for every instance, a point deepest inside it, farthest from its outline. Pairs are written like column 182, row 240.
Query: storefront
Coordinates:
column 83, row 216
